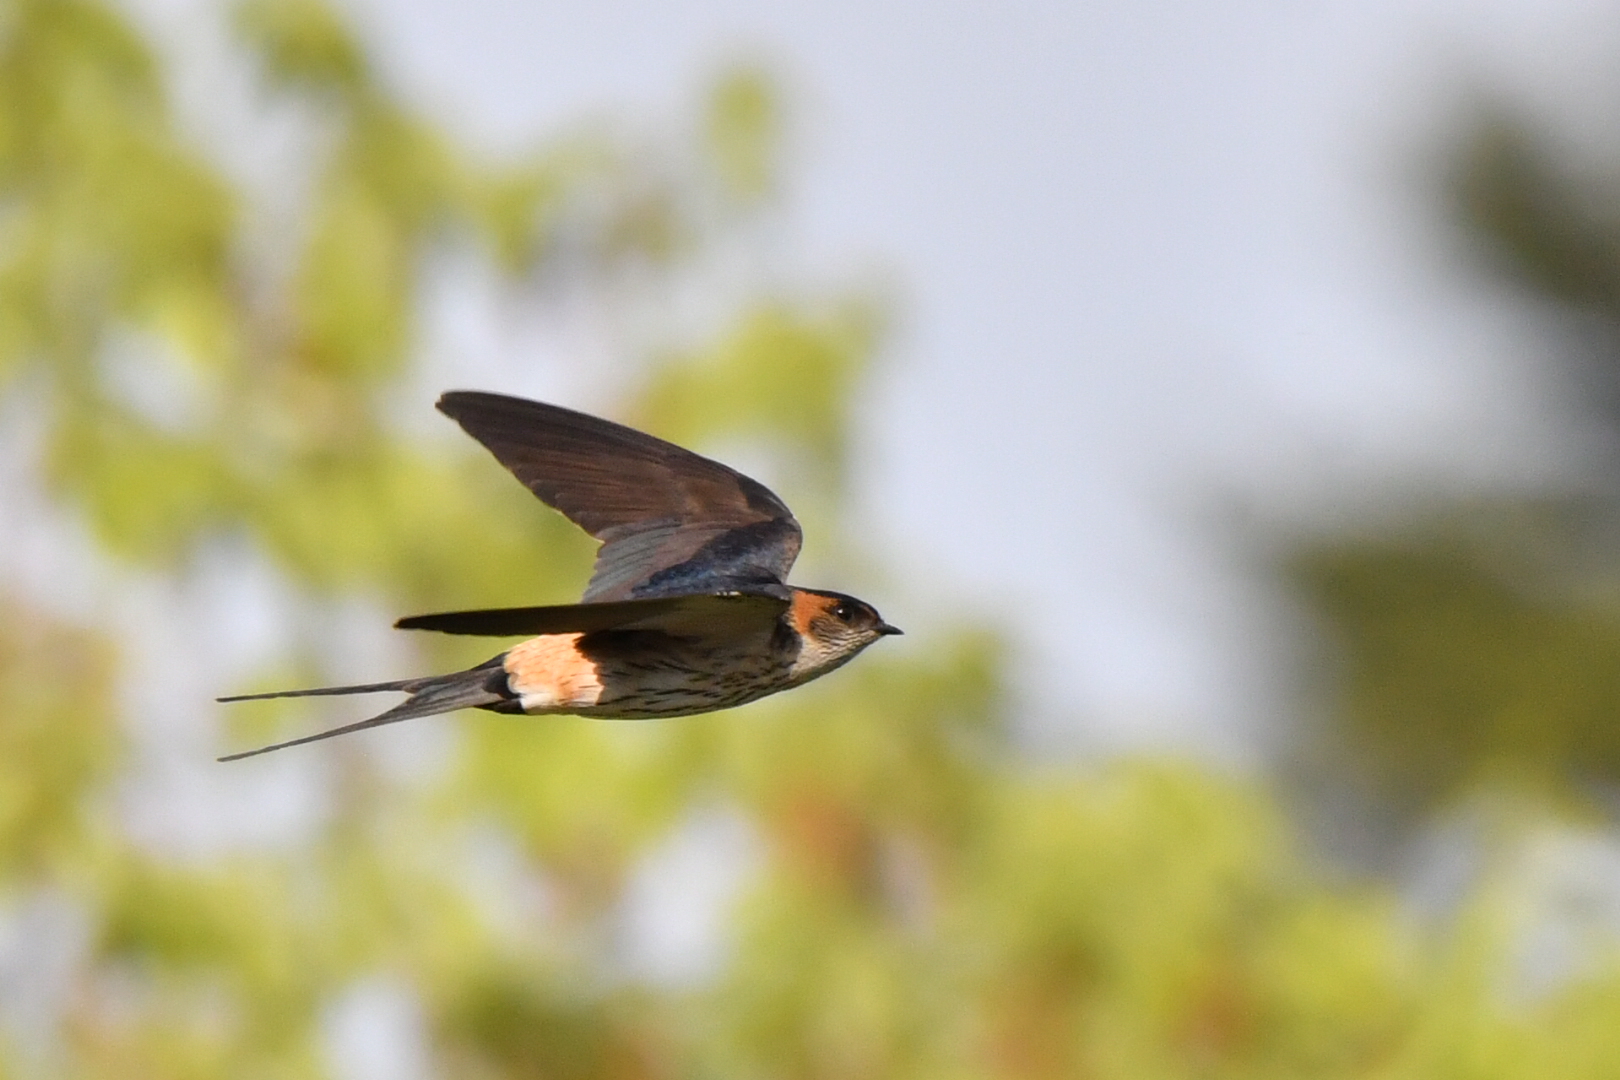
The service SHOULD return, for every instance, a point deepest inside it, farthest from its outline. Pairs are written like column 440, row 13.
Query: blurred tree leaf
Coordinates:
column 148, row 493
column 1535, row 214
column 744, row 131
column 58, row 739
column 1471, row 654
column 304, row 43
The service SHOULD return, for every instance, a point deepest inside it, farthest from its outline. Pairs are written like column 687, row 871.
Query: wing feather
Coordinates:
column 670, row 521
column 714, row 615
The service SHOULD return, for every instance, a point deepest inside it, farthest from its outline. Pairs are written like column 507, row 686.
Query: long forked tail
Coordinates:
column 480, row 686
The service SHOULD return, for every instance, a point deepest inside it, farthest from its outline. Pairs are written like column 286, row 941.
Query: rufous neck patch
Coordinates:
column 807, row 606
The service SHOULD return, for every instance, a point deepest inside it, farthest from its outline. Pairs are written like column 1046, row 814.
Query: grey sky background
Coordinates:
column 1160, row 268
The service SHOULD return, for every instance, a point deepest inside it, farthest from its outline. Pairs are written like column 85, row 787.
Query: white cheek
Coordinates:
column 811, row 657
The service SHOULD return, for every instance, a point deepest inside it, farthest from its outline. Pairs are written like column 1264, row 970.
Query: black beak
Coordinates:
column 886, row 629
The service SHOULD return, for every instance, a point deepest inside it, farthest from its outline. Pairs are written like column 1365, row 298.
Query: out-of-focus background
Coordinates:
column 1226, row 400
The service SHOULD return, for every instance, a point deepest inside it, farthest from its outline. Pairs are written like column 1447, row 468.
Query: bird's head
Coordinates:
column 832, row 628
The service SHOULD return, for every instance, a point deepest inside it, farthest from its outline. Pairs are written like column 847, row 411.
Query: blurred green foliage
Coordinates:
column 1476, row 642
column 1479, row 650
column 59, row 730
column 925, row 902
column 744, row 121
column 1534, row 215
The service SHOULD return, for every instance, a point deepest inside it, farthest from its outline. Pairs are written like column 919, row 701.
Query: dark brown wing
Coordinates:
column 671, row 522
column 718, row 615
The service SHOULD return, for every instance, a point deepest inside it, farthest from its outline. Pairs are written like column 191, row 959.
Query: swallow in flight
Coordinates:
column 686, row 610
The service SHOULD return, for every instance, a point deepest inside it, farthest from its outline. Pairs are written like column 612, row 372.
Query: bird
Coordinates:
column 687, row 609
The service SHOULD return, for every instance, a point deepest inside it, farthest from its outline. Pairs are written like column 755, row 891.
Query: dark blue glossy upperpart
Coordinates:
column 744, row 559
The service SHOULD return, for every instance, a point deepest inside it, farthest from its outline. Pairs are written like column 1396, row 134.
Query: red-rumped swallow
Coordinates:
column 686, row 610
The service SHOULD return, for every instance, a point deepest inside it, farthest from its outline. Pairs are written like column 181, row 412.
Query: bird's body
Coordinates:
column 640, row 674
column 686, row 611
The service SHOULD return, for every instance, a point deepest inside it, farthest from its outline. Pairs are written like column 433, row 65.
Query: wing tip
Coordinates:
column 451, row 400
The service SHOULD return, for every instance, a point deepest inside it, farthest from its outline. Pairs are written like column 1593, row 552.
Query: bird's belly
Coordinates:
column 552, row 674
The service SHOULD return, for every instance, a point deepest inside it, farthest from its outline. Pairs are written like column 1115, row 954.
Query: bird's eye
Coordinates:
column 845, row 612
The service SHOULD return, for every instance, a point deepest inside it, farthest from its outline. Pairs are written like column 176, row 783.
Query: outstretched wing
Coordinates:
column 717, row 615
column 671, row 522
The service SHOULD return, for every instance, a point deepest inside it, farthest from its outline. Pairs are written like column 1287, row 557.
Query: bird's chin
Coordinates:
column 814, row 662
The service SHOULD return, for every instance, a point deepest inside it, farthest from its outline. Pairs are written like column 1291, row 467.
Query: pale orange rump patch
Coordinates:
column 549, row 672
